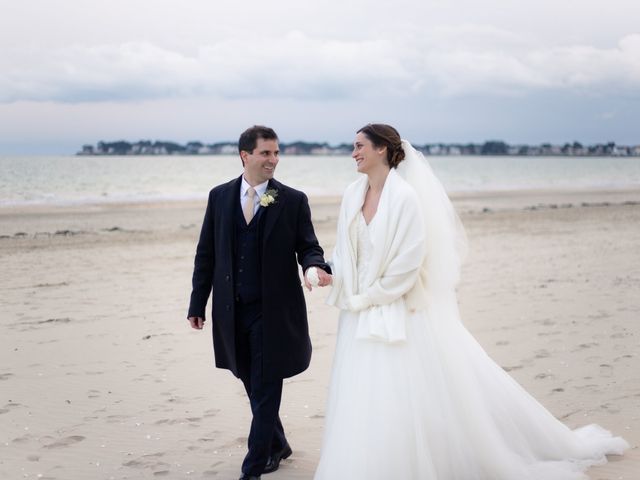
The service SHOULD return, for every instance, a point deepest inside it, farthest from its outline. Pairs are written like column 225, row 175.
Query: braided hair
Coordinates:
column 382, row 135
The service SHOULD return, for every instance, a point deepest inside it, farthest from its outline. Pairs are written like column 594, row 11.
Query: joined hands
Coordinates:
column 316, row 277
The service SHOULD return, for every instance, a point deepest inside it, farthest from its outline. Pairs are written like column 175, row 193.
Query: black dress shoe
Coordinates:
column 244, row 476
column 274, row 460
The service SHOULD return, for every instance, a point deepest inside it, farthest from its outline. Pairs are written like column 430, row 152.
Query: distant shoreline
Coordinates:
column 477, row 200
column 488, row 148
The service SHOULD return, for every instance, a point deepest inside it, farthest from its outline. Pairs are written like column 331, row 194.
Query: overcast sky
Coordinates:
column 524, row 71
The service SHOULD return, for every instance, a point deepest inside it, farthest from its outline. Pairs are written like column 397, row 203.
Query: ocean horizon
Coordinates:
column 76, row 180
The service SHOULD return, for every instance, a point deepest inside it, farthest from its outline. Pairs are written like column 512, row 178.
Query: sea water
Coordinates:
column 60, row 180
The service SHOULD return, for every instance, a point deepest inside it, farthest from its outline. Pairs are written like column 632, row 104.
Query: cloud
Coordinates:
column 448, row 61
column 519, row 67
column 294, row 66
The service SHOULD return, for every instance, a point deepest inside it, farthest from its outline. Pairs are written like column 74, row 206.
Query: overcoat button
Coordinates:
column 228, row 307
column 227, row 278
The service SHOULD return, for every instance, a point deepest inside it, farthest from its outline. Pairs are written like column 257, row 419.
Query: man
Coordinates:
column 254, row 230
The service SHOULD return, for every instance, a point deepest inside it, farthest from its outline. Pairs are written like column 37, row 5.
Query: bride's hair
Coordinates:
column 382, row 135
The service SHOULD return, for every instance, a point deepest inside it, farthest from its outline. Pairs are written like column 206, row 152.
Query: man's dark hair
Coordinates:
column 249, row 138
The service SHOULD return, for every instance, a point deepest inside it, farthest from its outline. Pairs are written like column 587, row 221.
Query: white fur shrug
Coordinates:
column 398, row 236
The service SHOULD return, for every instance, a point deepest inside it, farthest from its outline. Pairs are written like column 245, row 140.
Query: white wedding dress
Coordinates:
column 436, row 407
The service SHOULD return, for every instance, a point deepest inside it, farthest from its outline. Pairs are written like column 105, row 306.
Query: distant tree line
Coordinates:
column 490, row 147
column 497, row 147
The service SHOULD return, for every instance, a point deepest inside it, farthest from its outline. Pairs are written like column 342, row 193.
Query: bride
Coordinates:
column 413, row 396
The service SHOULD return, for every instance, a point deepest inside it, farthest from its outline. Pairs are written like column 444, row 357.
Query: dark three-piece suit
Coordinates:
column 259, row 317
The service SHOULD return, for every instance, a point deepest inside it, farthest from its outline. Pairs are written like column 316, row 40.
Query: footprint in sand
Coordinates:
column 515, row 367
column 206, row 439
column 53, row 320
column 585, row 346
column 178, row 421
column 567, row 415
column 160, row 408
column 590, row 387
column 23, row 439
column 176, row 400
column 610, row 408
column 592, row 359
column 65, row 442
column 8, row 406
column 622, row 335
column 117, row 418
column 93, row 394
column 212, row 472
column 623, row 357
column 148, row 461
column 546, row 322
column 606, row 370
column 5, row 376
column 238, row 441
column 549, row 334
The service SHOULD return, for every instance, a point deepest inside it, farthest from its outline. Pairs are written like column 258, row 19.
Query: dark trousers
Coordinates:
column 267, row 434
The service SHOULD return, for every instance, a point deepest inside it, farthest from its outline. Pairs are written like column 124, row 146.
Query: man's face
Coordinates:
column 260, row 164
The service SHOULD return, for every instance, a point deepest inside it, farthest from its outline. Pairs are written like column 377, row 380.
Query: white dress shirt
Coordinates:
column 260, row 190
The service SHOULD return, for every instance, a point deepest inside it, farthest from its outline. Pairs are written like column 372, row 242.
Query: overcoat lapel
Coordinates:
column 229, row 208
column 273, row 211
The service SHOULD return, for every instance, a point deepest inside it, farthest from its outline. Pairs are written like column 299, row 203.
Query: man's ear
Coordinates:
column 243, row 156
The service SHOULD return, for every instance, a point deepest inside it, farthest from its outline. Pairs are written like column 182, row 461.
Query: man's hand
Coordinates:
column 196, row 322
column 323, row 278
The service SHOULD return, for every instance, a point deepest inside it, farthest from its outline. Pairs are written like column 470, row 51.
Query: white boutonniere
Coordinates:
column 268, row 197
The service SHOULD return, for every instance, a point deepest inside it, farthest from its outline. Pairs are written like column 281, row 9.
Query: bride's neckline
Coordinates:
column 364, row 219
column 377, row 203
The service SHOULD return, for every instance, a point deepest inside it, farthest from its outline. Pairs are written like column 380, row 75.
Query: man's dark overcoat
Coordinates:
column 287, row 236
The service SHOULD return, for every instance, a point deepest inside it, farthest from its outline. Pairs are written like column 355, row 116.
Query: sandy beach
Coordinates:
column 101, row 378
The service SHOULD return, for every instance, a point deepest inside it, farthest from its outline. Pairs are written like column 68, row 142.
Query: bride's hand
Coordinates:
column 356, row 303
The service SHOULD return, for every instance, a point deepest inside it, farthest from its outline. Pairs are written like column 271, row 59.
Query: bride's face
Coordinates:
column 367, row 156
